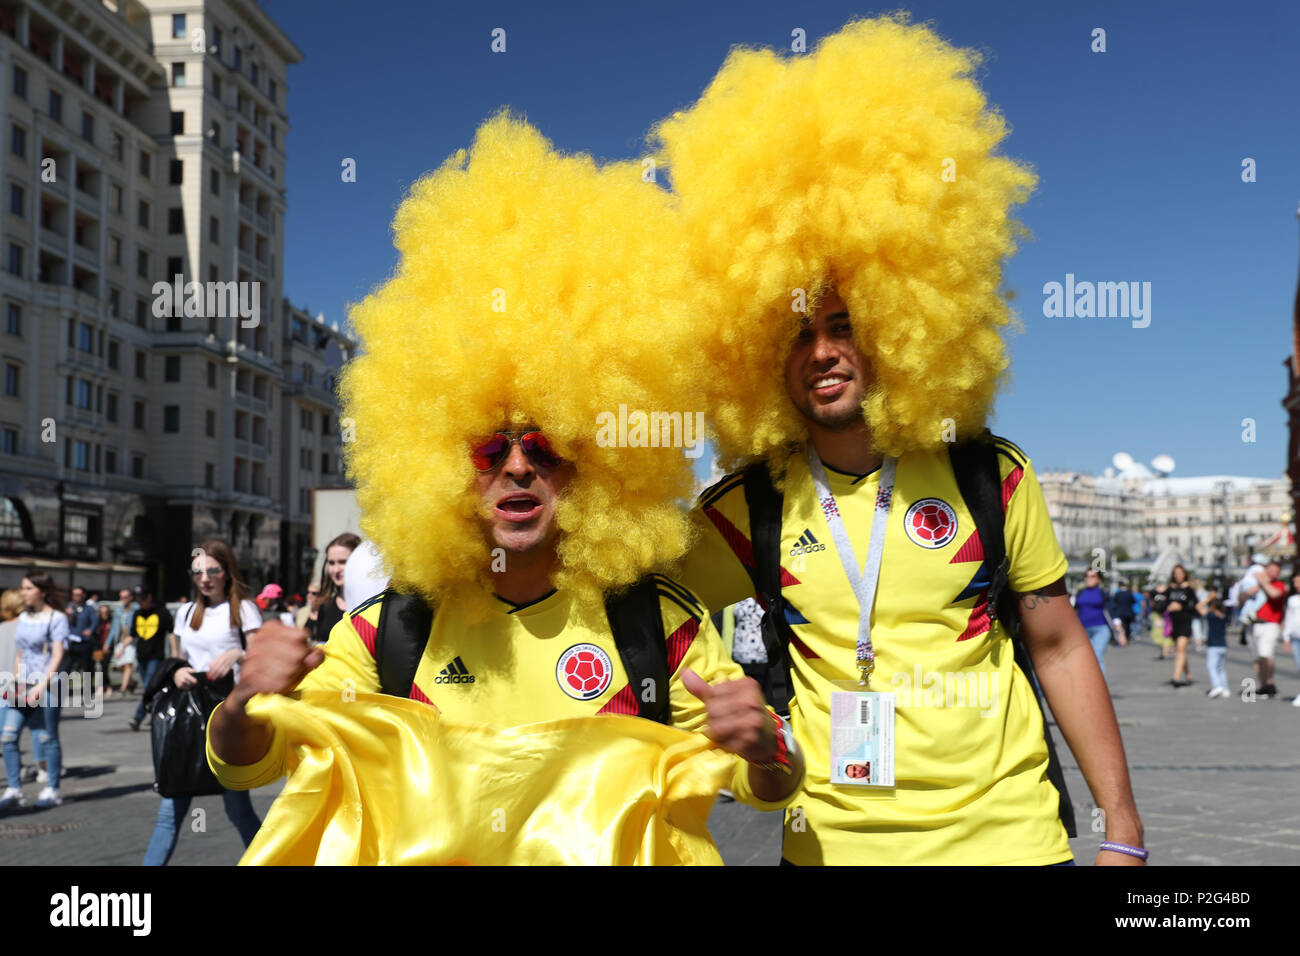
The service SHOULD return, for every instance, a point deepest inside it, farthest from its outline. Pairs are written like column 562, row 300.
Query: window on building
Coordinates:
column 212, row 375
column 114, row 350
column 324, row 463
column 171, row 418
column 175, row 172
column 18, row 141
column 209, row 476
column 142, row 263
column 178, row 79
column 210, row 423
column 110, row 461
column 238, row 59
column 111, row 407
column 119, row 146
column 325, row 423
column 142, row 213
column 178, row 26
column 17, row 200
column 138, row 419
column 216, row 40
column 172, row 368
column 141, row 313
column 9, row 443
column 82, row 397
column 214, row 182
column 115, row 198
column 15, row 259
column 137, row 466
column 173, row 322
column 12, row 378
column 114, row 302
column 56, row 106
column 214, row 133
column 253, row 74
column 173, row 266
column 87, row 127
column 141, row 364
column 175, row 220
column 20, row 83
column 214, row 229
column 146, row 164
column 216, row 87
column 14, row 318
column 81, row 462
column 272, row 91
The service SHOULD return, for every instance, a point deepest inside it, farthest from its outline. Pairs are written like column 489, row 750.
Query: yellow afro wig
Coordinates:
column 537, row 288
column 867, row 165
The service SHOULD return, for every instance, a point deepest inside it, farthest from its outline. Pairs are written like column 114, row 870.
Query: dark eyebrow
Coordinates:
column 837, row 315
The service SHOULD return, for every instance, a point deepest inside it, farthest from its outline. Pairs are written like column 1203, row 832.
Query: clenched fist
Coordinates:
column 736, row 718
column 278, row 658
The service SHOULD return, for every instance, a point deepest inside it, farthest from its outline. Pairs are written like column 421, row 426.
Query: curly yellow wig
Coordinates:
column 867, row 165
column 532, row 287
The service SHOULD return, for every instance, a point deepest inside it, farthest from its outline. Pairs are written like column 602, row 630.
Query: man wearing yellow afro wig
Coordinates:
column 848, row 216
column 532, row 307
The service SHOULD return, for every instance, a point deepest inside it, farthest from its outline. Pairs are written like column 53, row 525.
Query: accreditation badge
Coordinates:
column 862, row 739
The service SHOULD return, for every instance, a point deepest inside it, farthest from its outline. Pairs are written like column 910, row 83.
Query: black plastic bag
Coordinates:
column 179, row 732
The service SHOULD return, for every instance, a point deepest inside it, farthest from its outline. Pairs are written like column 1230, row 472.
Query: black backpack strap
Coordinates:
column 636, row 621
column 979, row 478
column 400, row 638
column 766, row 505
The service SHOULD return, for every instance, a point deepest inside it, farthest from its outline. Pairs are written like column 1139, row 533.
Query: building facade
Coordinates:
column 149, row 365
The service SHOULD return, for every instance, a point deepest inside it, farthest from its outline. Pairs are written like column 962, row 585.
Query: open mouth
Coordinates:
column 518, row 507
column 830, row 386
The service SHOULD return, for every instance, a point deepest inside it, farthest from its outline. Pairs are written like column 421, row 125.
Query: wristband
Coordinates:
column 1127, row 850
column 785, row 749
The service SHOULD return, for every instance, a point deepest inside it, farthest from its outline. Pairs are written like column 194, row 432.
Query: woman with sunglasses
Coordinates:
column 211, row 634
column 330, row 604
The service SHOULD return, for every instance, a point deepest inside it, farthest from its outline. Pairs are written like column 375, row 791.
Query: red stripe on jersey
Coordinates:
column 741, row 546
column 366, row 631
column 624, row 702
column 679, row 642
column 801, row 647
column 417, row 694
column 978, row 623
column 1009, row 484
column 972, row 550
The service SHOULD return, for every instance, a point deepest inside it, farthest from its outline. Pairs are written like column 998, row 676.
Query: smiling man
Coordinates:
column 848, row 216
column 521, row 548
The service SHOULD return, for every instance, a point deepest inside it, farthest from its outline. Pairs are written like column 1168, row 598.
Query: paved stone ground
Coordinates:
column 1215, row 782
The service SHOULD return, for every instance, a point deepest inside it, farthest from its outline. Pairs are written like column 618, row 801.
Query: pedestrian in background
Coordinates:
column 1198, row 618
column 150, row 628
column 211, row 636
column 121, row 627
column 1216, row 644
column 1181, row 609
column 1122, row 612
column 1291, row 627
column 331, row 604
column 306, row 617
column 1267, row 629
column 1160, row 622
column 40, row 640
column 1090, row 604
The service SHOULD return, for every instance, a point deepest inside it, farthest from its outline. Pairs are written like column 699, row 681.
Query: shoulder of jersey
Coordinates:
column 369, row 609
column 679, row 597
column 720, row 489
column 1011, row 452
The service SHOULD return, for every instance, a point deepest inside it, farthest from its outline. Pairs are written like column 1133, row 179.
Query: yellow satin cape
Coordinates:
column 382, row 780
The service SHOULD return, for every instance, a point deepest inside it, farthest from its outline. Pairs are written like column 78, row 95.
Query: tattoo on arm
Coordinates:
column 1032, row 599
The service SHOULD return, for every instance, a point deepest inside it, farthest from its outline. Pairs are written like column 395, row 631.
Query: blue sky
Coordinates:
column 1139, row 151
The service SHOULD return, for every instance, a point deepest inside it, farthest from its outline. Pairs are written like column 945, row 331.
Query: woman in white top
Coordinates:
column 211, row 633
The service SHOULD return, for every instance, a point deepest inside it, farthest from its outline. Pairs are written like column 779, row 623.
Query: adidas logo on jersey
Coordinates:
column 807, row 544
column 454, row 673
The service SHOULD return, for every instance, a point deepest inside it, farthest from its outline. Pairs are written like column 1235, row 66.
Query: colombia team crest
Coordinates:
column 584, row 671
column 931, row 523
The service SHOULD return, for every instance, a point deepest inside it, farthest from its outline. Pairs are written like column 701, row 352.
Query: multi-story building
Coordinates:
column 1211, row 521
column 146, row 337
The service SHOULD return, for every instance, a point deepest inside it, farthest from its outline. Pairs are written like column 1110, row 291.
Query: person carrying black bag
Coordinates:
column 209, row 643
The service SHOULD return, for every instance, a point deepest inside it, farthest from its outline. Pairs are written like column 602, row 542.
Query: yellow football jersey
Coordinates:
column 970, row 758
column 541, row 661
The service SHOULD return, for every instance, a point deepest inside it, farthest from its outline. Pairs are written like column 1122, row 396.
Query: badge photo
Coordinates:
column 584, row 671
column 931, row 523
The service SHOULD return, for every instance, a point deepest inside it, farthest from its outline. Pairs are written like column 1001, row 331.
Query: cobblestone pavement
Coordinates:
column 1215, row 781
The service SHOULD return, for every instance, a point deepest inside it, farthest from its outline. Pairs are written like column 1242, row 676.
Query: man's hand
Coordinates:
column 736, row 718
column 278, row 658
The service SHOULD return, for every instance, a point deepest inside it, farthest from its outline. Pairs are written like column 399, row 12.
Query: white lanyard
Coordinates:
column 864, row 583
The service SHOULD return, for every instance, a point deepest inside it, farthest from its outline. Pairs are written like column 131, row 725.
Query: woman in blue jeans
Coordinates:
column 211, row 632
column 39, row 643
column 1090, row 605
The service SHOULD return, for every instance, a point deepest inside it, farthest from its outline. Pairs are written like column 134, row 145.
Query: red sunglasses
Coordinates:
column 491, row 452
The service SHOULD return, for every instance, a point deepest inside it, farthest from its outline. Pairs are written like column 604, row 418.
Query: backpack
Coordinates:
column 634, row 617
column 975, row 465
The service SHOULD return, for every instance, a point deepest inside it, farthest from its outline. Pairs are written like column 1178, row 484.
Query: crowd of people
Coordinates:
column 48, row 639
column 1182, row 615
